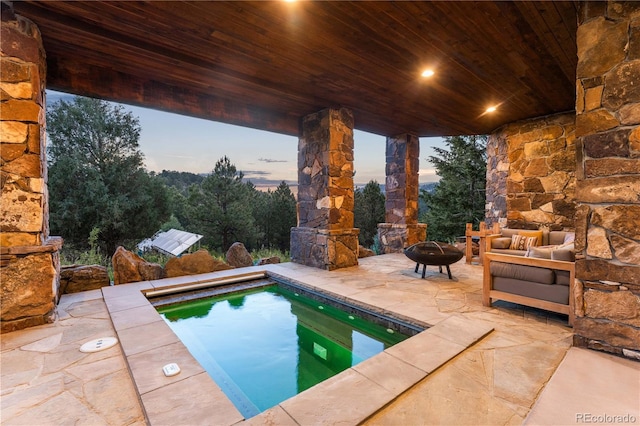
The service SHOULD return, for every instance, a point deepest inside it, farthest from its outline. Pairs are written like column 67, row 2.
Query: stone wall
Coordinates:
column 325, row 236
column 28, row 257
column 531, row 173
column 608, row 173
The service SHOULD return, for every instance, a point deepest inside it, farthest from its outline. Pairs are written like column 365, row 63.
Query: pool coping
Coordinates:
column 350, row 397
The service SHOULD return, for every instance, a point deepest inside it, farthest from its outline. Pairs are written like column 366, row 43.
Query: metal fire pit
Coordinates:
column 433, row 253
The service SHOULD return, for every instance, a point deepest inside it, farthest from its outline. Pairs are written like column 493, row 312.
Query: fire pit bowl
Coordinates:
column 433, row 253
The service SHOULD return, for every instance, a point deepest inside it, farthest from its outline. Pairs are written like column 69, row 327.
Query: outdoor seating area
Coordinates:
column 540, row 275
column 495, row 381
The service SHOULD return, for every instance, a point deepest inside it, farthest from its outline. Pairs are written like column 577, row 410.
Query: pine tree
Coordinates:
column 459, row 196
column 96, row 175
column 220, row 208
column 368, row 212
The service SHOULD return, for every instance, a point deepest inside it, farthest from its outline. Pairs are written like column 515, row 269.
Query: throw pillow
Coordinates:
column 501, row 243
column 521, row 242
column 566, row 253
column 537, row 234
column 569, row 237
column 540, row 252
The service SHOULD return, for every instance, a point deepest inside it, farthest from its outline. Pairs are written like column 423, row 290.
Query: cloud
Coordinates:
column 270, row 160
column 249, row 173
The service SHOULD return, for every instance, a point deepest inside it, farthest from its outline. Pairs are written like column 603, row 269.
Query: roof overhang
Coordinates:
column 267, row 64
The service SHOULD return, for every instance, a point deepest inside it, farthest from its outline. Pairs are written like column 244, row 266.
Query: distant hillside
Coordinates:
column 180, row 180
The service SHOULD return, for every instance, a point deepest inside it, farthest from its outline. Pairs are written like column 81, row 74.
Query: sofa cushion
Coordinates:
column 509, row 251
column 562, row 277
column 501, row 243
column 557, row 237
column 522, row 272
column 522, row 242
column 551, row 293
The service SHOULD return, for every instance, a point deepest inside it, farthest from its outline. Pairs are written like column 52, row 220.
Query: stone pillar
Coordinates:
column 607, row 293
column 325, row 237
column 28, row 256
column 402, row 190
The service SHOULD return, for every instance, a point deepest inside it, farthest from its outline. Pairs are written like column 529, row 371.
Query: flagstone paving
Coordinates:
column 45, row 379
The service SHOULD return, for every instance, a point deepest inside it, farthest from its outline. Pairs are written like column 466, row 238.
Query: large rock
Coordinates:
column 618, row 306
column 475, row 247
column 77, row 278
column 200, row 262
column 598, row 244
column 27, row 287
column 128, row 267
column 627, row 251
column 365, row 252
column 601, row 45
column 599, row 269
column 238, row 256
column 612, row 333
column 268, row 260
column 623, row 220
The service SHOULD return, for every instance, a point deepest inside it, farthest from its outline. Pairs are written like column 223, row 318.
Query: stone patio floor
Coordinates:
column 502, row 379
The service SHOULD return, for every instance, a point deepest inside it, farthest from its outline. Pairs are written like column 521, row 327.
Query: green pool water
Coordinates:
column 266, row 345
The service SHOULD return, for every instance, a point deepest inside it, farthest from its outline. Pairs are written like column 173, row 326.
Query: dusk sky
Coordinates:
column 177, row 142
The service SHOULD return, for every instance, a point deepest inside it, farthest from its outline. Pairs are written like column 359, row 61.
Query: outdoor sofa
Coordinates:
column 538, row 272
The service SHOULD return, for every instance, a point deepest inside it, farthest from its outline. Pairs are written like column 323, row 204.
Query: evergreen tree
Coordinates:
column 368, row 212
column 220, row 208
column 459, row 196
column 275, row 214
column 96, row 175
column 283, row 207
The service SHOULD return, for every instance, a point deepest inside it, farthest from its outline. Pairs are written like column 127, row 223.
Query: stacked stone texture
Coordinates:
column 531, row 173
column 401, row 191
column 497, row 173
column 608, row 186
column 402, row 186
column 29, row 257
column 325, row 237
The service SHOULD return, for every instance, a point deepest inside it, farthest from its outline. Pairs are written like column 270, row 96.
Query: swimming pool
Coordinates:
column 265, row 341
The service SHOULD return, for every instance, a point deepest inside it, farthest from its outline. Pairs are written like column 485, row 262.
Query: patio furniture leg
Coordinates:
column 449, row 272
column 424, row 269
column 417, row 266
column 440, row 268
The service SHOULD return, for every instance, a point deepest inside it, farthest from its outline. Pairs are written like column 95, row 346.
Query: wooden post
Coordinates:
column 481, row 233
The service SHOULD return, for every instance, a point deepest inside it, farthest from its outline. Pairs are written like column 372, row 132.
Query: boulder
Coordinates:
column 77, row 278
column 365, row 252
column 200, row 262
column 238, row 256
column 475, row 247
column 268, row 260
column 128, row 267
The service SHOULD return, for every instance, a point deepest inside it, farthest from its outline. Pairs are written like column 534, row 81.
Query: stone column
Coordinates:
column 608, row 178
column 325, row 237
column 402, row 190
column 28, row 256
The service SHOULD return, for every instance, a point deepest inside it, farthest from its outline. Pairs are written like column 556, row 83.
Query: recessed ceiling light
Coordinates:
column 491, row 109
column 428, row 73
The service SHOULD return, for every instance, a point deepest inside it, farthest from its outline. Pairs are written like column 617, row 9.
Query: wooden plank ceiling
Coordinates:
column 267, row 64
